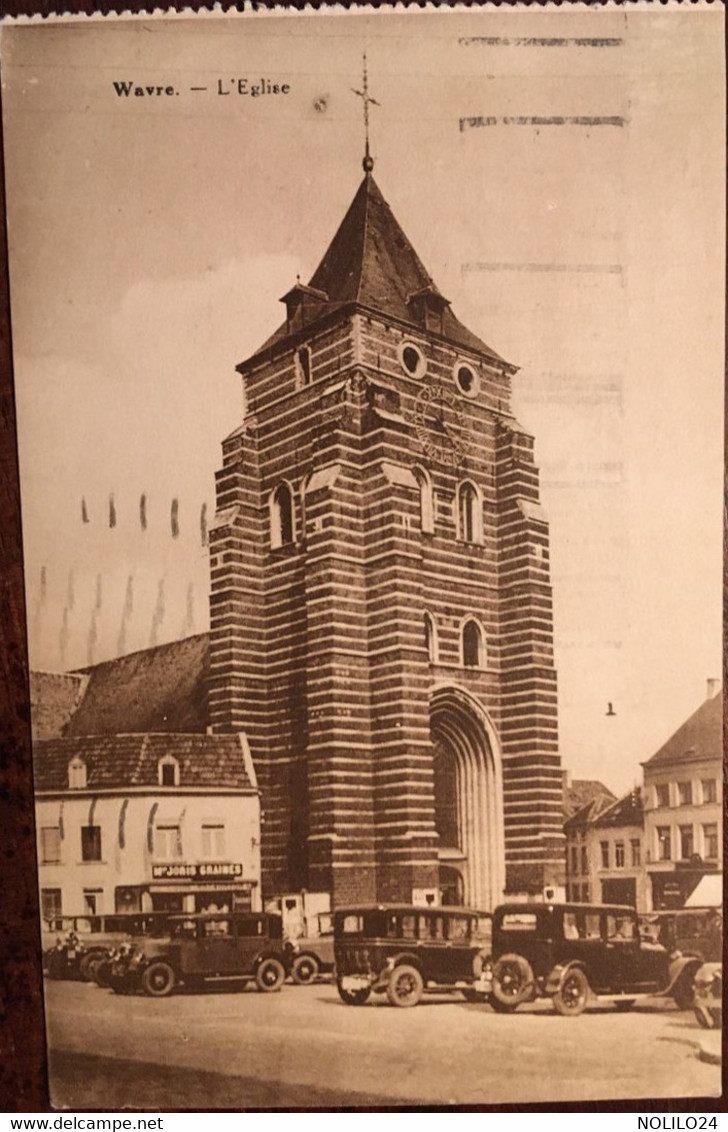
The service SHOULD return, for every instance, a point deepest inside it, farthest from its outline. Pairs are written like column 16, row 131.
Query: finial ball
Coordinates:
column 368, row 164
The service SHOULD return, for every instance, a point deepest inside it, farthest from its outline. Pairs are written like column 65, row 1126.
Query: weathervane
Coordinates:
column 367, row 163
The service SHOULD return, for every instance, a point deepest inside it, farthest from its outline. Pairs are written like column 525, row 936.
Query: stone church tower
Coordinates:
column 381, row 615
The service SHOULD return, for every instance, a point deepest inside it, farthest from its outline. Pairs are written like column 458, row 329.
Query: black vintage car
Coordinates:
column 691, row 931
column 244, row 946
column 405, row 950
column 569, row 951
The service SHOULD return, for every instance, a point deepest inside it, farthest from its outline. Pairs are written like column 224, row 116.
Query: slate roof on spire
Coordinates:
column 371, row 262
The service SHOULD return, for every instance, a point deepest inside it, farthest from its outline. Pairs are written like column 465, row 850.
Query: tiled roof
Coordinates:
column 700, row 737
column 583, row 790
column 626, row 811
column 158, row 689
column 370, row 261
column 119, row 761
column 587, row 813
column 54, row 696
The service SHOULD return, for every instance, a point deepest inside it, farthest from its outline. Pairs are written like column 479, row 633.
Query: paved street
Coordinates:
column 303, row 1047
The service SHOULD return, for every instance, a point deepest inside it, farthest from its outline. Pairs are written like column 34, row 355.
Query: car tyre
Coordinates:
column 405, row 986
column 158, row 979
column 270, row 975
column 501, row 1007
column 573, row 994
column 705, row 1018
column 305, row 969
column 353, row 997
column 88, row 965
column 684, row 994
column 512, row 980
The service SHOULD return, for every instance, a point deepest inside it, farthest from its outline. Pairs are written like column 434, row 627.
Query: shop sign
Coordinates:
column 208, row 871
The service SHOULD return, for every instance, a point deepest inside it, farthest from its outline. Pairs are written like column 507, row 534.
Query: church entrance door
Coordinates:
column 468, row 800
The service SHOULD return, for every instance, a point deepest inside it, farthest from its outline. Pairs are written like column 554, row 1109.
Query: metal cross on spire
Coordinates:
column 367, row 163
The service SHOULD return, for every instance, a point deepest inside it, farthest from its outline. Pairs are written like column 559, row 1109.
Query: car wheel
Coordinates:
column 270, row 975
column 305, row 969
column 501, row 1007
column 102, row 974
column 573, row 994
column 405, row 986
column 623, row 1004
column 88, row 965
column 158, row 980
column 684, row 994
column 512, row 980
column 353, row 997
column 704, row 1018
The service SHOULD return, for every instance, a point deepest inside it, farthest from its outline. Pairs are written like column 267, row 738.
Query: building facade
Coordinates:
column 381, row 613
column 146, row 822
column 684, row 807
column 581, row 880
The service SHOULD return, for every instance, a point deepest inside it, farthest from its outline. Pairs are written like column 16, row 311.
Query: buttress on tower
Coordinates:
column 381, row 611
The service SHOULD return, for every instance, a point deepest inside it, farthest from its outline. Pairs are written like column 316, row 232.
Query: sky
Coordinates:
column 566, row 196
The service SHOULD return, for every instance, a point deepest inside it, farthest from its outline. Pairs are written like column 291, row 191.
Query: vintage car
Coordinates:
column 708, row 1000
column 568, row 952
column 405, row 950
column 313, row 955
column 93, row 937
column 689, row 931
column 244, row 946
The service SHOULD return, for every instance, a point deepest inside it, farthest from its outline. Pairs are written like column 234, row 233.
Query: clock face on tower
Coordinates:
column 438, row 423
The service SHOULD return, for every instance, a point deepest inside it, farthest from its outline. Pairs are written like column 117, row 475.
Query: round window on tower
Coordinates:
column 412, row 359
column 466, row 379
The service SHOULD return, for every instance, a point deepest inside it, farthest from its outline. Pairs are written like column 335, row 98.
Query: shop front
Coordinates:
column 190, row 887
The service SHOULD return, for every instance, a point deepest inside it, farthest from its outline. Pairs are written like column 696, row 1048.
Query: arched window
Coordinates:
column 281, row 516
column 77, row 775
column 168, row 771
column 431, row 638
column 427, row 502
column 472, row 642
column 303, row 365
column 470, row 519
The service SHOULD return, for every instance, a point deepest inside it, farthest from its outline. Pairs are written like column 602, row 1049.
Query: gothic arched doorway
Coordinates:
column 468, row 800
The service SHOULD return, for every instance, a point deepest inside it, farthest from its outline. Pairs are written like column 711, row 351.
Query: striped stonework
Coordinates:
column 318, row 643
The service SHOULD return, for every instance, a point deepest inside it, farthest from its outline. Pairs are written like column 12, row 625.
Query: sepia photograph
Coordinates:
column 368, row 370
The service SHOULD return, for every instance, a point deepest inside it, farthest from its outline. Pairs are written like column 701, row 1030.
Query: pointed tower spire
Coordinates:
column 368, row 162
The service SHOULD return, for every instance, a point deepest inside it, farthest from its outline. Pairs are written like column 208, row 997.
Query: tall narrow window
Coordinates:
column 710, row 841
column 687, row 842
column 604, row 850
column 303, row 365
column 430, row 639
column 469, row 514
column 619, row 854
column 91, row 843
column 77, row 774
column 281, row 516
column 167, row 842
column 50, row 903
column 636, row 845
column 427, row 502
column 213, row 840
column 50, row 845
column 472, row 645
column 664, row 848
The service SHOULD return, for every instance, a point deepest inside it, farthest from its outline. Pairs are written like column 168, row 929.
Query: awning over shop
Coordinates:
column 708, row 893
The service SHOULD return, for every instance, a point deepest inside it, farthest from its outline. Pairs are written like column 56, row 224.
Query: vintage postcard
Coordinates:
column 368, row 369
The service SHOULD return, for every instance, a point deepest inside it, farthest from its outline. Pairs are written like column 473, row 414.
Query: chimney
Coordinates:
column 713, row 688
